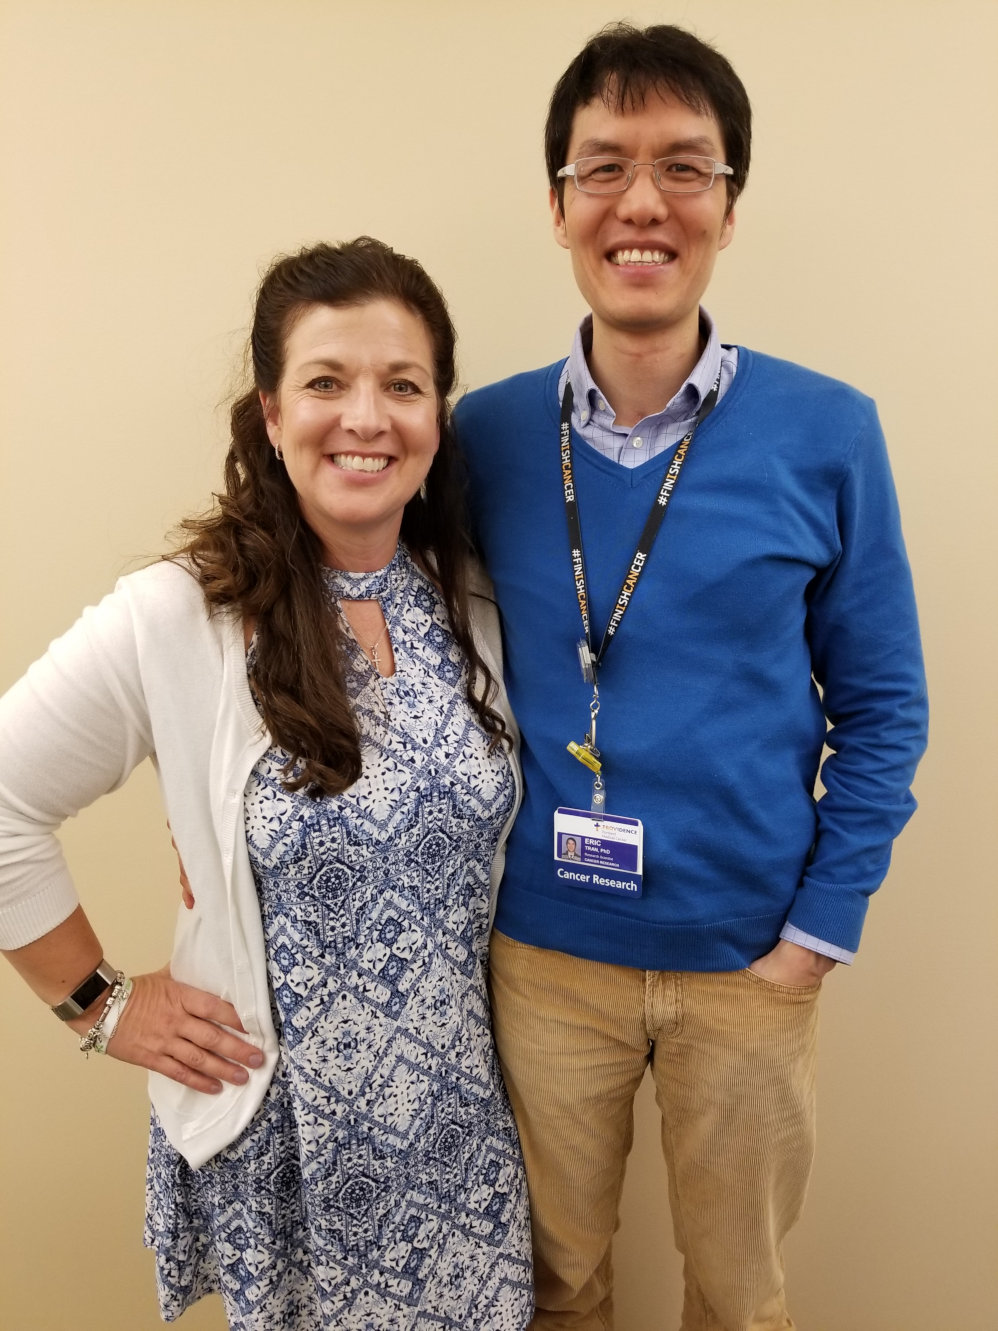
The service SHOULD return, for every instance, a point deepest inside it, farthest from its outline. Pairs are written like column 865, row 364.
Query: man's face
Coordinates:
column 677, row 236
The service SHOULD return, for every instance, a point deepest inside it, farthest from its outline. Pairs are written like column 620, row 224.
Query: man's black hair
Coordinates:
column 623, row 65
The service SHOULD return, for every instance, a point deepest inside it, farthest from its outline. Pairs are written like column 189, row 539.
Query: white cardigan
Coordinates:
column 147, row 673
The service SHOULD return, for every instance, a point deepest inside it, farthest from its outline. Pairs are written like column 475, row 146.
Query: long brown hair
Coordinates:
column 255, row 552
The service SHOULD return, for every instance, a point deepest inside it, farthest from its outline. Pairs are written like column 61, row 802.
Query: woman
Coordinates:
column 331, row 1144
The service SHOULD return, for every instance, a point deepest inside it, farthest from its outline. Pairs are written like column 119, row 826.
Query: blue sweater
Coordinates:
column 774, row 615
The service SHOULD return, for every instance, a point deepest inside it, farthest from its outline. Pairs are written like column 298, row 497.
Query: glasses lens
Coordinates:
column 603, row 175
column 684, row 175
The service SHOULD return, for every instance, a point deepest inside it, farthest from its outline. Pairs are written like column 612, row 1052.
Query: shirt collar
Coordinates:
column 686, row 401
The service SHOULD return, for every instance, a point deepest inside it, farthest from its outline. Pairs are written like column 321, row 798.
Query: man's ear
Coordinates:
column 558, row 219
column 727, row 229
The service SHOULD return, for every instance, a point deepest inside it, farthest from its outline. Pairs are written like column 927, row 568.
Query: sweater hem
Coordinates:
column 713, row 945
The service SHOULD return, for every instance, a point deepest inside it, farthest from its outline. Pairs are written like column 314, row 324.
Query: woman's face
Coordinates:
column 356, row 417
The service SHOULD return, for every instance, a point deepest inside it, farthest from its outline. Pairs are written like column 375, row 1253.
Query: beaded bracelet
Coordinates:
column 110, row 1024
column 90, row 1040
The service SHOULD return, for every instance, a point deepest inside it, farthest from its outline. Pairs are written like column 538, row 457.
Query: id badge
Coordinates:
column 598, row 852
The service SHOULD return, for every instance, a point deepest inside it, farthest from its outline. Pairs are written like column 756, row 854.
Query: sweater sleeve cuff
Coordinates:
column 832, row 912
column 26, row 920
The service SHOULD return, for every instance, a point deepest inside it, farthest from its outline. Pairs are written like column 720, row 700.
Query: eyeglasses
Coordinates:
column 674, row 175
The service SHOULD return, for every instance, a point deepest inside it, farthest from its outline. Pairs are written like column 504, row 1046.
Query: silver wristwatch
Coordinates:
column 84, row 994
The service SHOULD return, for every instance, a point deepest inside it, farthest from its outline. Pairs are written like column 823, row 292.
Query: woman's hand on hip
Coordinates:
column 179, row 1031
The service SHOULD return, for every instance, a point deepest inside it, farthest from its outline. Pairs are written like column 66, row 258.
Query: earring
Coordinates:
column 422, row 492
column 280, row 453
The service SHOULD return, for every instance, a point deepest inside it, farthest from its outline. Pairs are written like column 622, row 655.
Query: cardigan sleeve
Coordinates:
column 71, row 729
column 488, row 640
column 866, row 658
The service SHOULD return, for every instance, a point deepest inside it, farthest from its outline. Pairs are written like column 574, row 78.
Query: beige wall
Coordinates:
column 155, row 155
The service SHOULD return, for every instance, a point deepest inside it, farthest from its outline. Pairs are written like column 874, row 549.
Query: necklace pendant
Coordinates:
column 372, row 654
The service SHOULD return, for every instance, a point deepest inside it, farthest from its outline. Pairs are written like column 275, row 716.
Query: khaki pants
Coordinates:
column 733, row 1059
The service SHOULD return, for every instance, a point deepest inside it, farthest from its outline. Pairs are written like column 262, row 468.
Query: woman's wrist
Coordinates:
column 85, row 996
column 97, row 1037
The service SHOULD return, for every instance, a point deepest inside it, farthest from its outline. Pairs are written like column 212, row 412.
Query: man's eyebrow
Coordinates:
column 701, row 144
column 598, row 148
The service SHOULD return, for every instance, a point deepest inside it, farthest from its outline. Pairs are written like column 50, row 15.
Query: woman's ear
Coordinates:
column 271, row 417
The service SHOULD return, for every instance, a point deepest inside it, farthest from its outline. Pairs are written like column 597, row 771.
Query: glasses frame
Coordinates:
column 569, row 172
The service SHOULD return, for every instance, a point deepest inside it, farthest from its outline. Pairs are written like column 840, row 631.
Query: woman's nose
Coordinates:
column 364, row 411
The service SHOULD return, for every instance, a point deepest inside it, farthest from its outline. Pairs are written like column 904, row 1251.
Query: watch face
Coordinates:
column 86, row 993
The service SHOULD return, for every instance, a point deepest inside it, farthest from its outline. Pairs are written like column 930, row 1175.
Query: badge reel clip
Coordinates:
column 587, row 753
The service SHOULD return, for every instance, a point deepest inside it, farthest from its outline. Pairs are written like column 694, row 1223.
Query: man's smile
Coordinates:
column 640, row 257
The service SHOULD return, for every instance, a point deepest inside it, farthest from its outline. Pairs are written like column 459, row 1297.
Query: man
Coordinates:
column 770, row 613
column 571, row 851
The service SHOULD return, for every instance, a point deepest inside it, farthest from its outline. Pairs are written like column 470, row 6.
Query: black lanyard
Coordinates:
column 645, row 541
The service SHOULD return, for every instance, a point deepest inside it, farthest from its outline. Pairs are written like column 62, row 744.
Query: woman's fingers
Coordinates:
column 180, row 1031
column 178, row 1070
column 186, row 893
column 208, row 1007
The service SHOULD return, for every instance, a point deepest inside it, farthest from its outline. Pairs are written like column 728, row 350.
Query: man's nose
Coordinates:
column 643, row 202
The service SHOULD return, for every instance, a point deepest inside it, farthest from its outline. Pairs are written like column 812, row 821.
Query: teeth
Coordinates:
column 639, row 256
column 359, row 462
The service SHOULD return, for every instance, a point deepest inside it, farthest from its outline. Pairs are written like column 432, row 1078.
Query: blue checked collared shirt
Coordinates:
column 593, row 416
column 593, row 420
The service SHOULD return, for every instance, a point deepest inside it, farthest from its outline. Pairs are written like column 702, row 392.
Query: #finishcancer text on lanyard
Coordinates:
column 590, row 660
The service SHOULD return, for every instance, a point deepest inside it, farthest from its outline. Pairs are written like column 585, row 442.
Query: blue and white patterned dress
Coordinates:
column 379, row 1187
